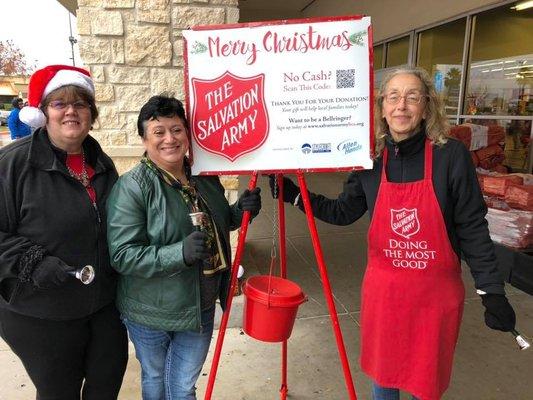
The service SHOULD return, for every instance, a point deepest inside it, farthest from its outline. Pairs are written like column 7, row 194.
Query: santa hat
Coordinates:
column 44, row 81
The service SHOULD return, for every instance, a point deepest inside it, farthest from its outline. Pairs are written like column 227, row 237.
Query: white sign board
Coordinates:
column 281, row 96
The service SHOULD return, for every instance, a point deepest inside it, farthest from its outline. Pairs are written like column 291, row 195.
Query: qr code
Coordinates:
column 345, row 78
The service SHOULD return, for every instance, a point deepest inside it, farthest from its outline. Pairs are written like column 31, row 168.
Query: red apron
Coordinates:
column 412, row 294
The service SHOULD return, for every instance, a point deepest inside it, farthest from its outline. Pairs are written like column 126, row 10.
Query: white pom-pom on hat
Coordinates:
column 46, row 80
column 32, row 116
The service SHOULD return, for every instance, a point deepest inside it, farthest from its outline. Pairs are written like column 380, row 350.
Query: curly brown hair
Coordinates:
column 436, row 123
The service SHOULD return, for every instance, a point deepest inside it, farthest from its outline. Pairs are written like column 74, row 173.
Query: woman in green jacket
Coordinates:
column 171, row 273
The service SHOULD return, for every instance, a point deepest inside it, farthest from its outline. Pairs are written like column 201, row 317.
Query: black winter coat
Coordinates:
column 42, row 206
column 457, row 191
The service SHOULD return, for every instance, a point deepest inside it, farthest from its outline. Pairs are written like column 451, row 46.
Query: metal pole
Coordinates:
column 284, row 389
column 282, row 242
column 326, row 287
column 71, row 39
column 225, row 315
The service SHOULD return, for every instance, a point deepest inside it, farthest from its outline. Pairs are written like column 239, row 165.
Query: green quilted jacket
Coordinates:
column 147, row 222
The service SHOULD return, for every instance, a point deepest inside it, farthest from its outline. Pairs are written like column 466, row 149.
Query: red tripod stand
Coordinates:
column 283, row 257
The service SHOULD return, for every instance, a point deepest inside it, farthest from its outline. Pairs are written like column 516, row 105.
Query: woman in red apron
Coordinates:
column 426, row 208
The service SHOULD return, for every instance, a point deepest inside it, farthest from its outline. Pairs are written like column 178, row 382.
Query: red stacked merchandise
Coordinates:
column 490, row 157
column 496, row 185
column 520, row 196
column 484, row 143
column 513, row 228
column 509, row 199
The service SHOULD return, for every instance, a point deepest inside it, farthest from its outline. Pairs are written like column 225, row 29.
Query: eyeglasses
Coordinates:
column 61, row 105
column 410, row 99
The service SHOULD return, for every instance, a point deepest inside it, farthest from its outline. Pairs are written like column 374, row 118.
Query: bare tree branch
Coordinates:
column 13, row 60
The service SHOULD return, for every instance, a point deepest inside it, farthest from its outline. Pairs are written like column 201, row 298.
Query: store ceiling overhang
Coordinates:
column 279, row 6
column 71, row 5
column 275, row 5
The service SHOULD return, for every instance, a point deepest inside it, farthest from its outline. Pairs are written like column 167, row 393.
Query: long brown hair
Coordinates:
column 435, row 122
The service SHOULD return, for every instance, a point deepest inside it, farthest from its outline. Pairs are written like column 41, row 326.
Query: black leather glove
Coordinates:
column 195, row 247
column 251, row 201
column 499, row 314
column 290, row 190
column 50, row 273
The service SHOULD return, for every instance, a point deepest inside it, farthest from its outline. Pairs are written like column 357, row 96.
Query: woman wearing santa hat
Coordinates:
column 53, row 189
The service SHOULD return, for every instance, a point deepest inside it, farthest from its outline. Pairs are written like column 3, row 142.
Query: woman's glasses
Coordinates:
column 61, row 105
column 410, row 98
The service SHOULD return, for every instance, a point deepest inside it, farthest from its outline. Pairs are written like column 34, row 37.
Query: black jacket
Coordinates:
column 457, row 191
column 42, row 206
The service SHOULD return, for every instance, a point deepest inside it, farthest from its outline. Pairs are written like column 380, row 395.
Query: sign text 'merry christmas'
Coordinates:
column 274, row 42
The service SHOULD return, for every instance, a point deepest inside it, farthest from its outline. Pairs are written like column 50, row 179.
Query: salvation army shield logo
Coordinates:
column 229, row 116
column 405, row 222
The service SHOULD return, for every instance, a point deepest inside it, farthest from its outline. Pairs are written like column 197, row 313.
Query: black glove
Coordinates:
column 50, row 273
column 251, row 201
column 499, row 314
column 290, row 190
column 195, row 247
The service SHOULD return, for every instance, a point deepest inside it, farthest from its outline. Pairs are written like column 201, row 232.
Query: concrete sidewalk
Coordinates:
column 488, row 364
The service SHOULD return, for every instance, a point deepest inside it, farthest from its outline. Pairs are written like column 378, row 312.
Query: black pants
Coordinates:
column 62, row 356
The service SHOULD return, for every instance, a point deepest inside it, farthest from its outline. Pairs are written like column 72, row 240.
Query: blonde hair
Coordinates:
column 436, row 122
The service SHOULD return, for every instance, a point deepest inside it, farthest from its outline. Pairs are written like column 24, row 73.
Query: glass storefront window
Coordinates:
column 501, row 68
column 440, row 53
column 378, row 78
column 379, row 74
column 516, row 144
column 396, row 56
column 397, row 52
column 378, row 57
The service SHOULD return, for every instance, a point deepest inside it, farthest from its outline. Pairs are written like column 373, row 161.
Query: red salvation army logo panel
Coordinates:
column 404, row 222
column 230, row 116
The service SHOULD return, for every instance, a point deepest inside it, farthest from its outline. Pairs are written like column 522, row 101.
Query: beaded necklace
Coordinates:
column 83, row 176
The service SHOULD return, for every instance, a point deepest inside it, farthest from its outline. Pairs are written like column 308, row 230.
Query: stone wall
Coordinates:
column 133, row 49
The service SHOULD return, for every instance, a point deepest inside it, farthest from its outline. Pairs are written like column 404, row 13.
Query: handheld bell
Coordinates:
column 197, row 218
column 84, row 274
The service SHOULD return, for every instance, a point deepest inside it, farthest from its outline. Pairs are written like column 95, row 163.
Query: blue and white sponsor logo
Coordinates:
column 316, row 148
column 321, row 147
column 306, row 148
column 349, row 146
